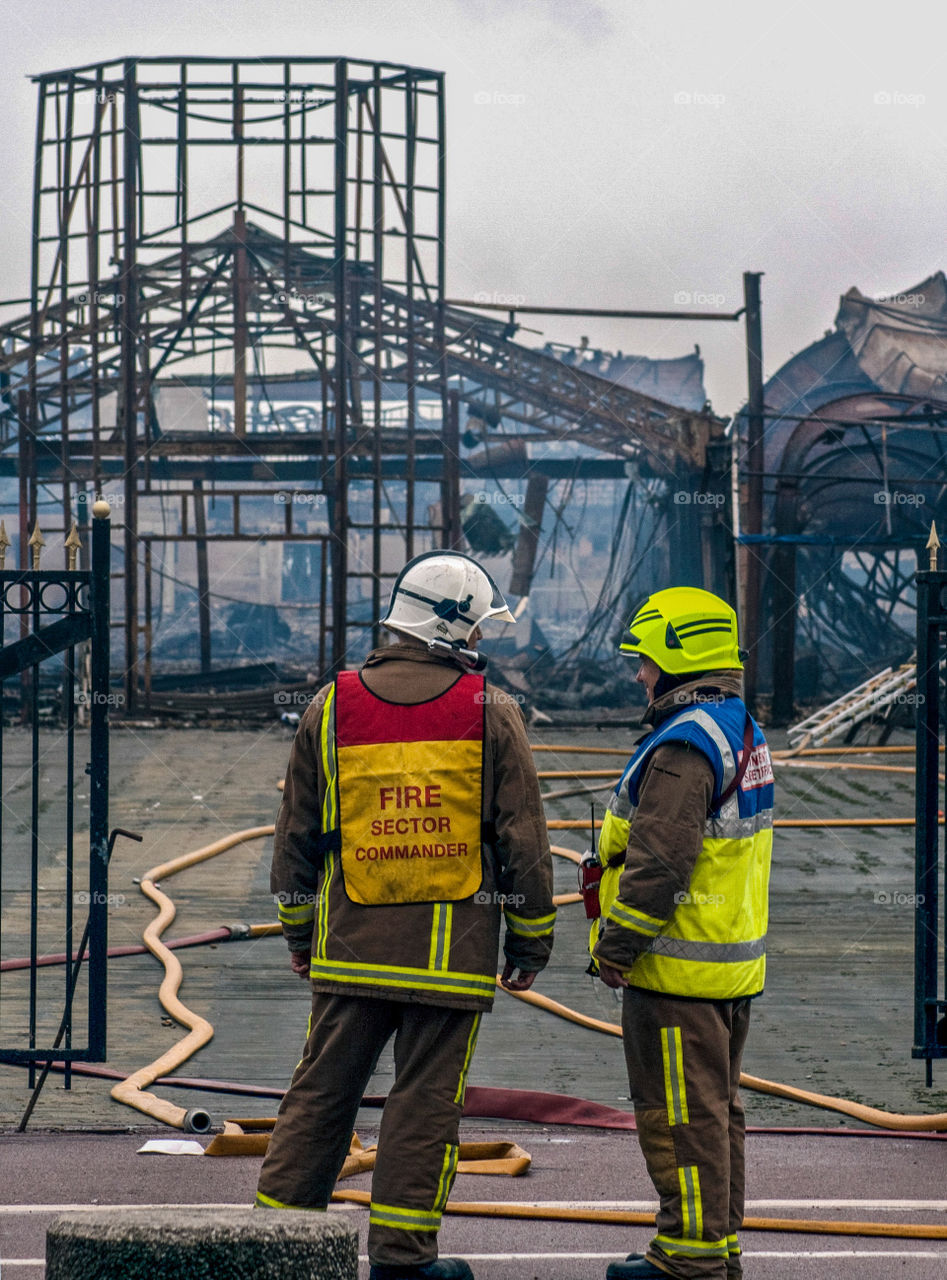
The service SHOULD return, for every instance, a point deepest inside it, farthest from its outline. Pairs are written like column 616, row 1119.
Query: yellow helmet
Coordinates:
column 684, row 629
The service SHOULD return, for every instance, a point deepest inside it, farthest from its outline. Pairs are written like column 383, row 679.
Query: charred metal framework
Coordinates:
column 849, row 495
column 243, row 227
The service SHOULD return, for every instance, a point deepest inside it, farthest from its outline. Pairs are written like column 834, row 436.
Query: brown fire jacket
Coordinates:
column 668, row 829
column 402, row 951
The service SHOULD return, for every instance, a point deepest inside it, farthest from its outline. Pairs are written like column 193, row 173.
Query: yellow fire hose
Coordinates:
column 133, row 1090
column 626, row 1217
column 584, row 824
column 860, row 749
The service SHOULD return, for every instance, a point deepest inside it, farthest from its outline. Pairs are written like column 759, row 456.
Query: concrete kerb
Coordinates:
column 198, row 1243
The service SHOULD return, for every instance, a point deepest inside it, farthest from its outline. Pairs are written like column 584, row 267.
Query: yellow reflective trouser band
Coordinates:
column 691, row 1208
column 538, row 927
column 390, row 1215
column 267, row 1202
column 674, row 1247
column 296, row 915
column 308, row 1034
column 733, row 1247
column 675, row 1093
column 375, row 975
column 629, row 918
column 468, row 1057
column 440, row 935
column 448, row 1169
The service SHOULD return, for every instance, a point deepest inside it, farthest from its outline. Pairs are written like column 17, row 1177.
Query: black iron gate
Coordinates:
column 930, row 1004
column 47, row 618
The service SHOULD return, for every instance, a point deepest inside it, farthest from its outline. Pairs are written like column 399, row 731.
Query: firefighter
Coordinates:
column 686, row 844
column 411, row 820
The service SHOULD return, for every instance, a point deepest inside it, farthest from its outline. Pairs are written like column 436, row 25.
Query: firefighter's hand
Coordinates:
column 522, row 983
column 611, row 976
column 300, row 962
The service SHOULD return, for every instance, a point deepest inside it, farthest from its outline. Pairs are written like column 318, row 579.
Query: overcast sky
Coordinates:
column 606, row 153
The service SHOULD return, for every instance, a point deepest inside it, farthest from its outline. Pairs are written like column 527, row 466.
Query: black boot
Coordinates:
column 440, row 1269
column 635, row 1267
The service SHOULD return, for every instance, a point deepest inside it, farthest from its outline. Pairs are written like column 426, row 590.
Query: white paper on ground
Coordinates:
column 172, row 1147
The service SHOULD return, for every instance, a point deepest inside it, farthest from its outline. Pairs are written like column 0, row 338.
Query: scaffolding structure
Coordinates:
column 268, row 235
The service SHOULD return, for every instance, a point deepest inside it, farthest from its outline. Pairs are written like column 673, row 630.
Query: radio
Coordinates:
column 590, row 874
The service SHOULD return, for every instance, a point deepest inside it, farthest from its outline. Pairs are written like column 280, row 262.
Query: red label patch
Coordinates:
column 759, row 772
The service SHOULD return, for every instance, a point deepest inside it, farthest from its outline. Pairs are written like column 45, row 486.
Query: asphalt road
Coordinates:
column 895, row 1180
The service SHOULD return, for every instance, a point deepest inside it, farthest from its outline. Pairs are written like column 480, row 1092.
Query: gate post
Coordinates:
column 100, row 587
column 931, row 638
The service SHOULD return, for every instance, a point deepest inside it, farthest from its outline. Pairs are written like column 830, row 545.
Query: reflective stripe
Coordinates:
column 329, row 818
column 445, row 981
column 669, row 733
column 267, row 1202
column 691, row 1248
column 708, row 952
column 692, row 1211
column 440, row 935
column 727, row 827
column 629, row 918
column 675, row 1093
column 718, row 737
column 733, row 1247
column 619, row 804
column 538, row 927
column 305, row 1042
column 296, row 915
column 322, row 940
column 448, row 1169
column 330, row 813
column 468, row 1057
column 390, row 1215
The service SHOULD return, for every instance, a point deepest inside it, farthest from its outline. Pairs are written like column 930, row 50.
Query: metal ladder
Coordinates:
column 860, row 703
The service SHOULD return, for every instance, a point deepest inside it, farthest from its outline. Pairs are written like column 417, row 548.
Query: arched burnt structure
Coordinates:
column 237, row 296
column 850, row 503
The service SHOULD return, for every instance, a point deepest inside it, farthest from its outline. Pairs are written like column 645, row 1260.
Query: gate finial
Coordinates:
column 4, row 543
column 37, row 542
column 933, row 546
column 73, row 545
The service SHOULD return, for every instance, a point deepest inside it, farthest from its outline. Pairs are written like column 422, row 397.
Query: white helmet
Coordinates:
column 444, row 595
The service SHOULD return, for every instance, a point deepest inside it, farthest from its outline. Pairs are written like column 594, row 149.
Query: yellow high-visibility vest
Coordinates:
column 409, row 787
column 713, row 945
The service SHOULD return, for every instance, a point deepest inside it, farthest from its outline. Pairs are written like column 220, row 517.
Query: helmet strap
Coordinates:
column 472, row 658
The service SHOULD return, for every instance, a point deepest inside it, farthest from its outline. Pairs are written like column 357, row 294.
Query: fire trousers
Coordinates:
column 683, row 1061
column 418, row 1138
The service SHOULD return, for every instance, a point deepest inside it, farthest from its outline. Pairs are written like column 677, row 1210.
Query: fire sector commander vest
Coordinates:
column 713, row 946
column 409, row 786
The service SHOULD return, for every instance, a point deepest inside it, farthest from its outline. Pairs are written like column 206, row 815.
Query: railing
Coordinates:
column 930, row 1023
column 48, row 896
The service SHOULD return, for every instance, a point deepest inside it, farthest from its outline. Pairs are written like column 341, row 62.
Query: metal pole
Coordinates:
column 203, row 580
column 25, row 463
column 450, row 489
column 130, row 164
column 785, row 601
column 240, row 330
column 926, row 923
column 98, row 783
column 754, row 504
column 340, row 565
